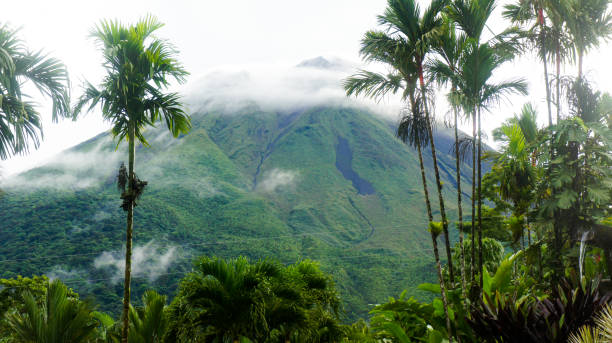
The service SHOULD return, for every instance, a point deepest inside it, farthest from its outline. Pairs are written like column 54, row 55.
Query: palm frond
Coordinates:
column 372, row 85
column 139, row 67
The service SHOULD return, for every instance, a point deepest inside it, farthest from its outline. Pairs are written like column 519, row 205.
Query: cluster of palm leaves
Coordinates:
column 54, row 313
column 20, row 119
column 262, row 302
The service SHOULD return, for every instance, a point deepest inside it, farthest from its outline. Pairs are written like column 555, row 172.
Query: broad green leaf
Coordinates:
column 430, row 287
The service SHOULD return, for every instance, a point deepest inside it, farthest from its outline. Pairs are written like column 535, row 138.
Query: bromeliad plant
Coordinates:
column 511, row 317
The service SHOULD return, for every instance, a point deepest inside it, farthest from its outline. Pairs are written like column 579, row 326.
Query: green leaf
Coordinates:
column 566, row 198
column 486, row 280
column 435, row 336
column 430, row 287
column 503, row 276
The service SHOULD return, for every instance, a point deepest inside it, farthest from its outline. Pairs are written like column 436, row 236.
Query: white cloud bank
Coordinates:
column 280, row 88
column 147, row 260
column 71, row 170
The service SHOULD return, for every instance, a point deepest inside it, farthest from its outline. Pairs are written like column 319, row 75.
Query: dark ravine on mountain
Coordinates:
column 329, row 183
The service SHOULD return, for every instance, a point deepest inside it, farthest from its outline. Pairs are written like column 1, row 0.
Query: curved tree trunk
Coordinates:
column 128, row 241
column 438, row 181
column 480, row 200
column 459, row 209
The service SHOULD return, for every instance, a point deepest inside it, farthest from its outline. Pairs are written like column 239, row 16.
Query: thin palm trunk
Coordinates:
column 480, row 199
column 449, row 256
column 543, row 56
column 433, row 237
column 128, row 239
column 459, row 209
column 558, row 83
column 547, row 91
column 580, row 59
column 528, row 235
column 473, row 228
column 442, row 287
column 424, row 180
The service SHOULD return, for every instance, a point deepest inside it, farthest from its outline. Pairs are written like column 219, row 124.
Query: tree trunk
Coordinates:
column 480, row 199
column 558, row 83
column 473, row 228
column 442, row 288
column 433, row 238
column 580, row 56
column 128, row 240
column 459, row 209
column 438, row 182
column 543, row 56
column 422, row 166
column 424, row 180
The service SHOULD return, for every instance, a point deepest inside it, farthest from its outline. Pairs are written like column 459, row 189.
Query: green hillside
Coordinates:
column 327, row 183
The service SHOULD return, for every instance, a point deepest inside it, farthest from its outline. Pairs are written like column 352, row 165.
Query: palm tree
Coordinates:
column 588, row 22
column 398, row 55
column 403, row 19
column 139, row 67
column 515, row 166
column 477, row 66
column 549, row 39
column 477, row 93
column 224, row 300
column 59, row 319
column 149, row 324
column 20, row 120
column 471, row 16
column 449, row 48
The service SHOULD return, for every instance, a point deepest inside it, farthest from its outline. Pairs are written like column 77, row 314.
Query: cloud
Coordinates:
column 315, row 82
column 101, row 215
column 277, row 178
column 58, row 272
column 147, row 260
column 70, row 169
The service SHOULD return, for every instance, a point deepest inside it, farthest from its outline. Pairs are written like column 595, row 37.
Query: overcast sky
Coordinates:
column 225, row 34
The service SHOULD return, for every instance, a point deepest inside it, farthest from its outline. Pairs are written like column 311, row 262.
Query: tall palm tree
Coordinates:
column 59, row 319
column 531, row 13
column 139, row 67
column 404, row 20
column 449, row 47
column 477, row 66
column 20, row 120
column 589, row 22
column 477, row 92
column 398, row 55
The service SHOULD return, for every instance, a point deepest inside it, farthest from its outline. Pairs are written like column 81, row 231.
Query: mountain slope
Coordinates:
column 326, row 182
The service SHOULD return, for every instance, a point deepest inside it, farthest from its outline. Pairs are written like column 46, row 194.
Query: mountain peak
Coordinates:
column 321, row 62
